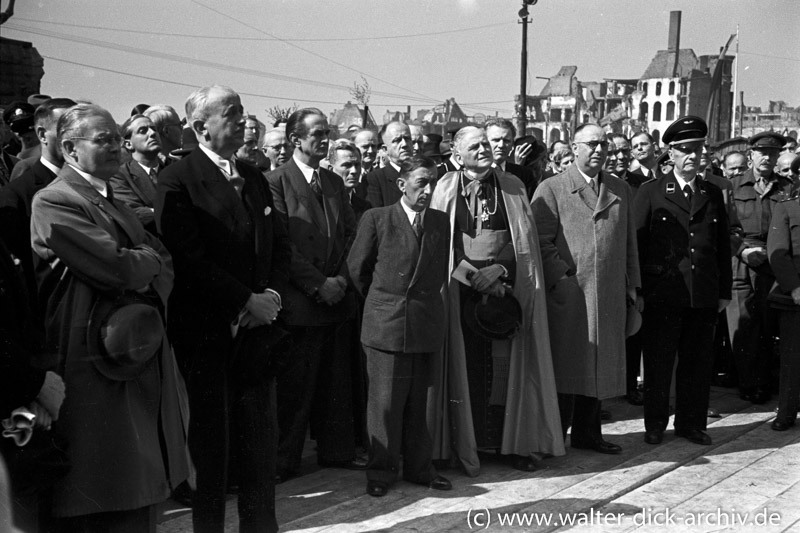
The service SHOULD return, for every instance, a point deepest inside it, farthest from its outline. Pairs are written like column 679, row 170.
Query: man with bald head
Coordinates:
column 367, row 143
column 382, row 182
column 510, row 406
column 783, row 166
column 734, row 165
column 232, row 256
column 591, row 271
column 277, row 148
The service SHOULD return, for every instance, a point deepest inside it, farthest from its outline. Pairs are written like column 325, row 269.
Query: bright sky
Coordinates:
column 415, row 52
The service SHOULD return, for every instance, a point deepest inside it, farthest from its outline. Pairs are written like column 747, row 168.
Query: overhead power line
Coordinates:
column 265, row 39
column 320, row 56
column 207, row 64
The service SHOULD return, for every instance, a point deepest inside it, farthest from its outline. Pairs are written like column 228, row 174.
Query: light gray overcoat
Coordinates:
column 591, row 239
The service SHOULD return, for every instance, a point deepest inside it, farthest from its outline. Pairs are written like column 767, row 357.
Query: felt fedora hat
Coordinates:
column 491, row 317
column 124, row 335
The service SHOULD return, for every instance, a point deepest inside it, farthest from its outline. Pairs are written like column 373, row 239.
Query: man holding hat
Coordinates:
column 684, row 253
column 751, row 322
column 490, row 392
column 106, row 293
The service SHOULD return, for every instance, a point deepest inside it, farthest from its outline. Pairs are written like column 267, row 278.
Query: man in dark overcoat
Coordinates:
column 684, row 252
column 231, row 263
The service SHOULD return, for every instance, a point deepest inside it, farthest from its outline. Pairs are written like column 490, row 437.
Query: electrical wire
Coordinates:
column 266, row 39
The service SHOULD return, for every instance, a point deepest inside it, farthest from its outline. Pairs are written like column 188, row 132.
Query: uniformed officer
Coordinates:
column 784, row 257
column 684, row 253
column 751, row 322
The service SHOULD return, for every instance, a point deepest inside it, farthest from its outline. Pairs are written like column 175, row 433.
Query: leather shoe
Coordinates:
column 694, row 435
column 654, row 436
column 600, row 446
column 713, row 413
column 377, row 488
column 353, row 464
column 524, row 464
column 635, row 397
column 440, row 483
column 781, row 424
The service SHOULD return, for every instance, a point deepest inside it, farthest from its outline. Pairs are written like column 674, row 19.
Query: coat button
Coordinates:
column 692, row 250
column 691, row 234
column 692, row 267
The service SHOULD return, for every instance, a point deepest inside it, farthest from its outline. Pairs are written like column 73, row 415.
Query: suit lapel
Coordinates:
column 674, row 193
column 81, row 186
column 303, row 191
column 582, row 189
column 605, row 198
column 430, row 241
column 700, row 198
column 140, row 182
column 331, row 201
column 218, row 188
column 407, row 238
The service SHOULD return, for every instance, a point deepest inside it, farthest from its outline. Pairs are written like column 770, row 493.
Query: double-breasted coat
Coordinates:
column 115, row 429
column 591, row 239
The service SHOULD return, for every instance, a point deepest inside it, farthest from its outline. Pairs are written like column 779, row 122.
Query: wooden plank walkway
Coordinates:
column 748, row 480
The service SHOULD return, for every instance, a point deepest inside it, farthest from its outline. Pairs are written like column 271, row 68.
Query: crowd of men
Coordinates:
column 188, row 299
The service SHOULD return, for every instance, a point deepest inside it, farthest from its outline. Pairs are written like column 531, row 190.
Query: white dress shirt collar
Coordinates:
column 682, row 182
column 587, row 177
column 228, row 168
column 50, row 166
column 98, row 184
column 308, row 172
column 410, row 213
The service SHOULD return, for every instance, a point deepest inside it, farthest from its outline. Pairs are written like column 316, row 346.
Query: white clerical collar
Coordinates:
column 308, row 172
column 50, row 166
column 410, row 213
column 682, row 182
column 98, row 184
column 455, row 163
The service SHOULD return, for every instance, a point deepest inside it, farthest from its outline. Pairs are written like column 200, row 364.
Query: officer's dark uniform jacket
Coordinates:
column 684, row 251
column 755, row 212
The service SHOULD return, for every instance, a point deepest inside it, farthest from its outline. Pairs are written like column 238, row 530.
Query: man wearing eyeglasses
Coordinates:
column 277, row 150
column 585, row 221
column 121, row 416
column 684, row 252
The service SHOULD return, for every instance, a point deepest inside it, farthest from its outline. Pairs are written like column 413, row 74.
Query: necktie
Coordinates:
column 110, row 194
column 315, row 187
column 687, row 191
column 232, row 176
column 593, row 183
column 152, row 175
column 417, row 227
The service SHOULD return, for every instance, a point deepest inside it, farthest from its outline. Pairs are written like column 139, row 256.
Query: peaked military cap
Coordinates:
column 19, row 117
column 766, row 140
column 686, row 129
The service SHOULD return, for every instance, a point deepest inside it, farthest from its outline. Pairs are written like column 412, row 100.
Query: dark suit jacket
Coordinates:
column 359, row 205
column 224, row 247
column 447, row 166
column 525, row 175
column 15, row 219
column 382, row 187
column 684, row 251
column 319, row 242
column 132, row 186
column 634, row 179
column 401, row 279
